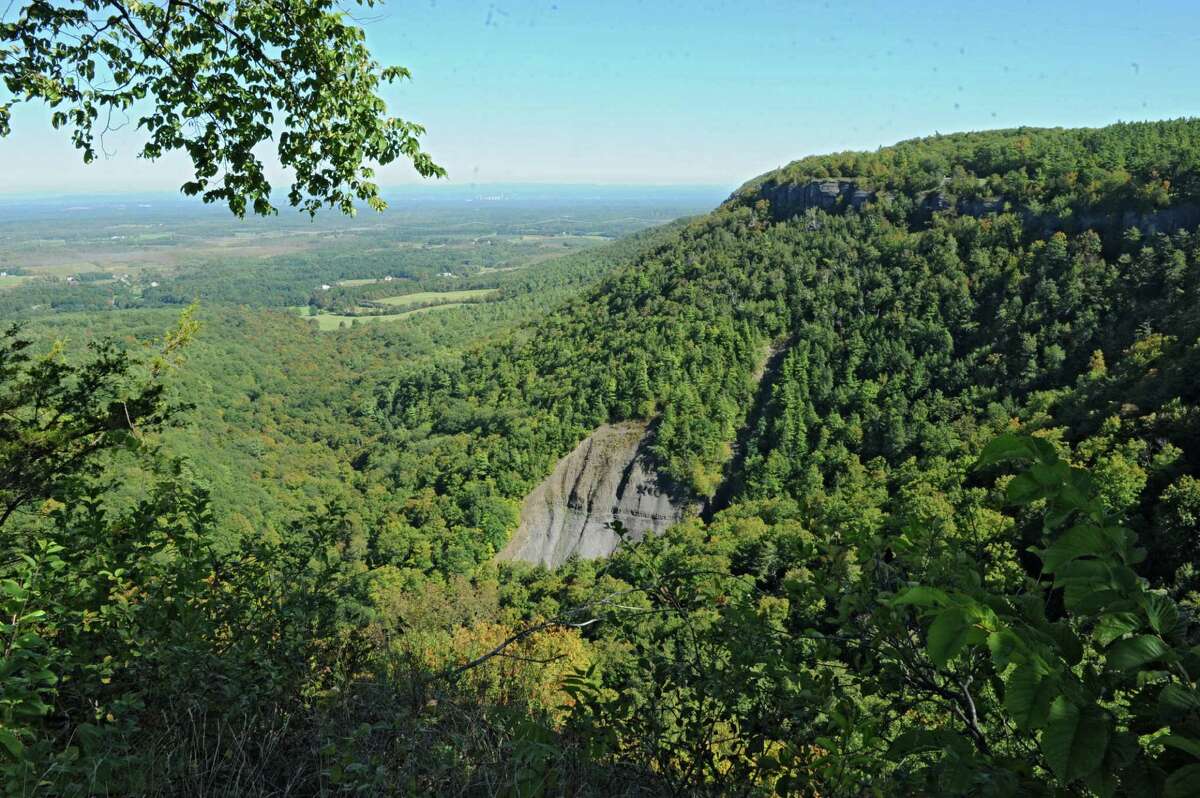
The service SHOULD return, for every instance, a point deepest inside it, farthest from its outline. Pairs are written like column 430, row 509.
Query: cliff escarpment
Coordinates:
column 608, row 477
column 788, row 200
column 1054, row 179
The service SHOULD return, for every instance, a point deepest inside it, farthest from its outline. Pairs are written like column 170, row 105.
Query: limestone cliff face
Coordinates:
column 607, row 477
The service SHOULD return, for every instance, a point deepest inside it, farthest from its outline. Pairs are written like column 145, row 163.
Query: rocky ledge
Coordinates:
column 791, row 199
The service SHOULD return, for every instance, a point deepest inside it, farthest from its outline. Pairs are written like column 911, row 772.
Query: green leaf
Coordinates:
column 1071, row 648
column 1074, row 741
column 1078, row 541
column 1007, row 447
column 1050, row 475
column 1002, row 644
column 1135, row 652
column 1085, row 598
column 947, row 635
column 11, row 743
column 1162, row 612
column 1176, row 699
column 1113, row 625
column 1056, row 517
column 913, row 742
column 1183, row 783
column 921, row 596
column 1044, row 449
column 1027, row 697
column 1186, row 744
column 1081, row 577
column 1023, row 489
column 1123, row 749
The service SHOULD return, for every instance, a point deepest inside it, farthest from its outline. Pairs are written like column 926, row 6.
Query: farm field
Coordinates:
column 333, row 321
column 168, row 253
column 12, row 281
column 161, row 235
column 425, row 297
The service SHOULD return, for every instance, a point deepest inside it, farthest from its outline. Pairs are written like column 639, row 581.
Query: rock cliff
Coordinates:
column 835, row 195
column 791, row 199
column 607, row 477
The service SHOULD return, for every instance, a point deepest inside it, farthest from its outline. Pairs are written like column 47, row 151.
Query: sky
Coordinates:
column 667, row 92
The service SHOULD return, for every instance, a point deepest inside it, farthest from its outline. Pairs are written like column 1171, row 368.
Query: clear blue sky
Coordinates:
column 667, row 92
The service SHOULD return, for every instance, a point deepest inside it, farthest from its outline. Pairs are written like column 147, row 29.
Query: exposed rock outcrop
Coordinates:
column 790, row 199
column 607, row 477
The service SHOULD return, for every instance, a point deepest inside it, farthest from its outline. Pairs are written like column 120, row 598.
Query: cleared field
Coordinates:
column 361, row 281
column 12, row 281
column 332, row 321
column 442, row 306
column 425, row 297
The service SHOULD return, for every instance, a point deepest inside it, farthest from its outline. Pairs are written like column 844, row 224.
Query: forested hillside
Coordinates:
column 901, row 341
column 871, row 603
column 274, row 410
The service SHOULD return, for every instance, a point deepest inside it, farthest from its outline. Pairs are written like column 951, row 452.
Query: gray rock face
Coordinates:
column 937, row 201
column 860, row 197
column 828, row 195
column 607, row 477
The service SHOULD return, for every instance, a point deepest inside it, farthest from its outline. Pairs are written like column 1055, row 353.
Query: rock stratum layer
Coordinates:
column 608, row 477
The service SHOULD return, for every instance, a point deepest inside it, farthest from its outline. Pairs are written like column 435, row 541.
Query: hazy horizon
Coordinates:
column 714, row 93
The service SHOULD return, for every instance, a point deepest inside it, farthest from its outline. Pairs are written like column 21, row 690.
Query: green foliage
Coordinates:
column 59, row 416
column 1062, row 172
column 745, row 658
column 510, row 250
column 1089, row 686
column 872, row 603
column 244, row 70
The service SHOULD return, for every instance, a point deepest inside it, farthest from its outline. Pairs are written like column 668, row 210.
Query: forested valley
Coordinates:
column 938, row 403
